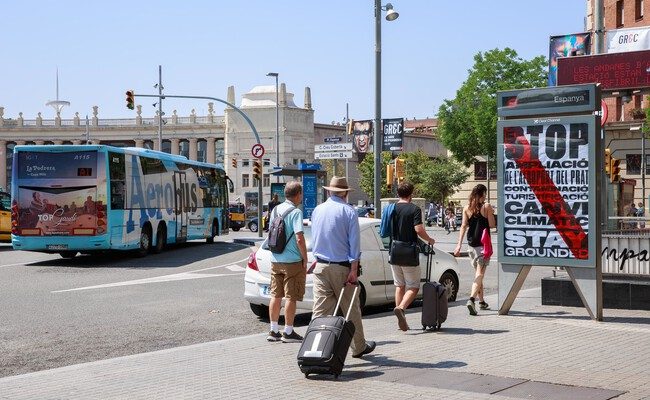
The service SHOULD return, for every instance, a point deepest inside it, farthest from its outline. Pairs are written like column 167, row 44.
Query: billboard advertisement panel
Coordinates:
column 547, row 175
column 362, row 136
column 393, row 133
column 576, row 44
column 628, row 39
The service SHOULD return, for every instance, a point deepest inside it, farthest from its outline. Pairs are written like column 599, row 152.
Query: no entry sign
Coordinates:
column 548, row 189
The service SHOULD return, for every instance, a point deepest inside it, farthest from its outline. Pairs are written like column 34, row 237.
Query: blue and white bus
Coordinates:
column 68, row 199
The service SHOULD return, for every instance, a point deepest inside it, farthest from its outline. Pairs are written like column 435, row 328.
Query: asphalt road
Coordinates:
column 58, row 312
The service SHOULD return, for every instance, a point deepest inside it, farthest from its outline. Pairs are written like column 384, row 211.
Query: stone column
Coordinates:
column 76, row 142
column 58, row 142
column 20, row 142
column 39, row 142
column 155, row 145
column 139, row 143
column 3, row 166
column 175, row 149
column 211, row 150
column 193, row 149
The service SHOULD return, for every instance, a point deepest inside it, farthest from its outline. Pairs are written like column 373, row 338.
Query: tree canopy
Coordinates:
column 467, row 124
column 433, row 179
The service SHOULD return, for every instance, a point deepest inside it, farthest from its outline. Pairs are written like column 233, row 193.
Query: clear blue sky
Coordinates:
column 103, row 48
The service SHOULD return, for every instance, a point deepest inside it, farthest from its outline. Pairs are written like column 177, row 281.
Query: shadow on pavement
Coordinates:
column 460, row 331
column 567, row 315
column 173, row 256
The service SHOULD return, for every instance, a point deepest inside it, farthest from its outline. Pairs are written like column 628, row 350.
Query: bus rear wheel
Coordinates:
column 68, row 254
column 145, row 241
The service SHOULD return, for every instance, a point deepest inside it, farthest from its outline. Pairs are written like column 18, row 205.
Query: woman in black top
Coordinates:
column 477, row 216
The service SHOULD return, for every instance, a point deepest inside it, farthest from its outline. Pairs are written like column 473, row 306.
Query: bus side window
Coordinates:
column 117, row 180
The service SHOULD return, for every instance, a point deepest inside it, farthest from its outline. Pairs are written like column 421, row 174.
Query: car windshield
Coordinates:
column 307, row 232
column 237, row 208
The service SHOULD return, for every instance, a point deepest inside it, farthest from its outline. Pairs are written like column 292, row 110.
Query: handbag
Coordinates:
column 402, row 253
column 486, row 242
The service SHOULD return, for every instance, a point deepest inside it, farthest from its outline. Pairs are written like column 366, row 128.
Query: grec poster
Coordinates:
column 547, row 197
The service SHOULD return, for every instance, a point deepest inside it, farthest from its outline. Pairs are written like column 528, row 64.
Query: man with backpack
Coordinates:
column 288, row 263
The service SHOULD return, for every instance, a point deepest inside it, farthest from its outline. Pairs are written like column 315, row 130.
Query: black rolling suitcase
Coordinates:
column 326, row 343
column 435, row 306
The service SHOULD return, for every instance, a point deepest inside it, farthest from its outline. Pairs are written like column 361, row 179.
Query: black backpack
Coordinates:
column 277, row 232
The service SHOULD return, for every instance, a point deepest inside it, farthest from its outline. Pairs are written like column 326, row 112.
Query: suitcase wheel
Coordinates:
column 336, row 376
column 306, row 374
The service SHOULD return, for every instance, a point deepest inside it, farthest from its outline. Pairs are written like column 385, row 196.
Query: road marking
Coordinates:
column 236, row 268
column 26, row 263
column 167, row 278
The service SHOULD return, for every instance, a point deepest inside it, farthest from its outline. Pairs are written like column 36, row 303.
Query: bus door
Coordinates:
column 180, row 208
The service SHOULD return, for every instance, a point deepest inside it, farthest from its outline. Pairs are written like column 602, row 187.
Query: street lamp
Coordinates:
column 277, row 123
column 391, row 15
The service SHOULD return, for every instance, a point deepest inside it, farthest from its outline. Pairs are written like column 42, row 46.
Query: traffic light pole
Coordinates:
column 248, row 120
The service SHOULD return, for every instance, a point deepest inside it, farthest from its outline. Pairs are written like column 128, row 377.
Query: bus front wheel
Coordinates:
column 214, row 231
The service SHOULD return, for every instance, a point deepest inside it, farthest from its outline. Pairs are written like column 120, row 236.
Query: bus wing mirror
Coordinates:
column 231, row 186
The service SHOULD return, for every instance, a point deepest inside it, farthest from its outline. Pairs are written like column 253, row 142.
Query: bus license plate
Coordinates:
column 266, row 290
column 57, row 247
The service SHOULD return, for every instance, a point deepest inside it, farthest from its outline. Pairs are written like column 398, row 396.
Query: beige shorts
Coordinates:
column 476, row 257
column 288, row 280
column 406, row 276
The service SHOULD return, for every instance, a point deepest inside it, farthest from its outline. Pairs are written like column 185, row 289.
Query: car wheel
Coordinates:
column 253, row 226
column 161, row 239
column 235, row 229
column 68, row 254
column 362, row 296
column 450, row 282
column 260, row 310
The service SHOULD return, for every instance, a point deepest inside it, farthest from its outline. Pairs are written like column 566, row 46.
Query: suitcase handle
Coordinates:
column 338, row 303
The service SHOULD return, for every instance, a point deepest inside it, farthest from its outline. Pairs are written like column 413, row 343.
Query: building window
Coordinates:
column 245, row 162
column 295, row 161
column 620, row 14
column 633, row 164
column 267, row 180
column 267, row 162
column 619, row 109
column 256, row 181
column 219, row 152
column 184, row 148
column 201, row 153
column 245, row 180
column 638, row 9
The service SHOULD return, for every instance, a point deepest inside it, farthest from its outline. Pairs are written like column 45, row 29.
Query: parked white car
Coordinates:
column 376, row 279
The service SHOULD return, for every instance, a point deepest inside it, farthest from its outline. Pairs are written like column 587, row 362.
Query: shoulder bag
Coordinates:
column 402, row 253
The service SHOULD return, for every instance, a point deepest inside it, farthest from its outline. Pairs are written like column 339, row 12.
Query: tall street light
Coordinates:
column 277, row 123
column 391, row 15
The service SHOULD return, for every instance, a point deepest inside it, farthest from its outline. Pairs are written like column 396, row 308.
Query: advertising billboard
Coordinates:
column 393, row 130
column 547, row 175
column 362, row 136
column 628, row 39
column 576, row 44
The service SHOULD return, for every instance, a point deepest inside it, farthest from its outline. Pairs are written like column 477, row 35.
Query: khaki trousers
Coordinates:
column 328, row 283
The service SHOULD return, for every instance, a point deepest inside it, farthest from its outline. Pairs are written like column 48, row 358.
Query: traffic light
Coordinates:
column 130, row 99
column 614, row 170
column 608, row 160
column 389, row 176
column 257, row 169
column 400, row 170
column 234, row 162
column 349, row 127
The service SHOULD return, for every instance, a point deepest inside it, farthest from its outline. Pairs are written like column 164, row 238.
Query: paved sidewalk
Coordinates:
column 537, row 352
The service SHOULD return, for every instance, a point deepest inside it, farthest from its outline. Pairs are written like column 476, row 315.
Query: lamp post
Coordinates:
column 641, row 129
column 391, row 15
column 277, row 123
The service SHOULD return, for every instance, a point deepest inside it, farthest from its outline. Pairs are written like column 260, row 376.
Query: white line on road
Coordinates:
column 167, row 278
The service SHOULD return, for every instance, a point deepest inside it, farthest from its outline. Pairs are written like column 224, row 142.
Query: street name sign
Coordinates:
column 333, row 155
column 333, row 139
column 333, row 147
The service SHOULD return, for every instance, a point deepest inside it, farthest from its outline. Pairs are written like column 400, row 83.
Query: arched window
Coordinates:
column 184, row 148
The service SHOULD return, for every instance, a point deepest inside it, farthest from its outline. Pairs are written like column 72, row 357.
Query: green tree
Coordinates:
column 366, row 174
column 468, row 124
column 433, row 179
